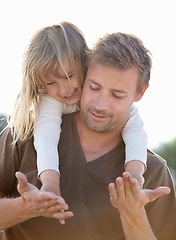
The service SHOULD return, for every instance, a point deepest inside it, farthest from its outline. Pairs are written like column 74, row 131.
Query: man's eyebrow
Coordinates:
column 120, row 91
column 92, row 81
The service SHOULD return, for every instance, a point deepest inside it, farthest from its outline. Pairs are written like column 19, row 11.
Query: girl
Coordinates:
column 54, row 69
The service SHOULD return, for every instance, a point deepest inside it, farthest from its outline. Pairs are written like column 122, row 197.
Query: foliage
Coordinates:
column 4, row 120
column 168, row 152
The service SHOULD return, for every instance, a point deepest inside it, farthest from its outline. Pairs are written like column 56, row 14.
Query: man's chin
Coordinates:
column 95, row 127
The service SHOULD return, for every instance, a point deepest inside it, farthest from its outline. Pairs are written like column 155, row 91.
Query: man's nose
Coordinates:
column 101, row 103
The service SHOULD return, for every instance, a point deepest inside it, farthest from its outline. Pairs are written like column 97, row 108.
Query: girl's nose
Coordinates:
column 64, row 87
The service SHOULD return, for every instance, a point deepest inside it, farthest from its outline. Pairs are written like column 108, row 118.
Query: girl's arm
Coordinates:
column 135, row 137
column 47, row 133
column 46, row 139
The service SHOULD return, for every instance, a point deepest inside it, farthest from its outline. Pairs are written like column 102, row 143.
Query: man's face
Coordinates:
column 107, row 96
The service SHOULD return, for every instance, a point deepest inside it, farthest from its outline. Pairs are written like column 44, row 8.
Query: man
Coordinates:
column 91, row 158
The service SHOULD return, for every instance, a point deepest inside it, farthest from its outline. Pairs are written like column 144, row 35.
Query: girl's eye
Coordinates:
column 51, row 83
column 69, row 75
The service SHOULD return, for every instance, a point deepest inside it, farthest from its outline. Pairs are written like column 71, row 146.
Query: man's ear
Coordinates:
column 139, row 96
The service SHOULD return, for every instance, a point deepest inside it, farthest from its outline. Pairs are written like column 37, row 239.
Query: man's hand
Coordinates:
column 126, row 195
column 41, row 203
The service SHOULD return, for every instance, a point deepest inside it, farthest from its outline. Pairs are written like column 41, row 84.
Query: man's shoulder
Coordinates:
column 153, row 156
column 155, row 161
column 6, row 133
column 6, row 140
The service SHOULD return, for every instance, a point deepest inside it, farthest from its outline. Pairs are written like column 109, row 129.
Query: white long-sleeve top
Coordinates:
column 135, row 137
column 47, row 131
column 48, row 128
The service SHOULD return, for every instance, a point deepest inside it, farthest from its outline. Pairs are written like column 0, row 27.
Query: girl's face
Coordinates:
column 59, row 87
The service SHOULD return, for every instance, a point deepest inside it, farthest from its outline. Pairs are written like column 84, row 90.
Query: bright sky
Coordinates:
column 152, row 21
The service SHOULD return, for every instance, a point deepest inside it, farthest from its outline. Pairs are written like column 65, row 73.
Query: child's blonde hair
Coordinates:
column 50, row 46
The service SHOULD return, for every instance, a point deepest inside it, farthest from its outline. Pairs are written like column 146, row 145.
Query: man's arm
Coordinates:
column 129, row 199
column 32, row 203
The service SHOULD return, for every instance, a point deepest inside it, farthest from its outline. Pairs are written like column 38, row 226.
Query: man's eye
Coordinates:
column 118, row 95
column 94, row 88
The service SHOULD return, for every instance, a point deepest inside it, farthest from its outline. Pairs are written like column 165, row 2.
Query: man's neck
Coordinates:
column 95, row 144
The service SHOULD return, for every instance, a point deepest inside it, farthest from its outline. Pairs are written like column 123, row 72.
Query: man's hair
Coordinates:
column 123, row 51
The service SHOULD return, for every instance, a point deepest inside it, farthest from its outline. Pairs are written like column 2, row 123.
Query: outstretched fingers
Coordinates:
column 144, row 196
column 41, row 203
column 117, row 192
column 156, row 193
column 29, row 191
column 126, row 191
column 23, row 185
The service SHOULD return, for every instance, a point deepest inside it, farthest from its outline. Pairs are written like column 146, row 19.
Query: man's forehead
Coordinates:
column 113, row 78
